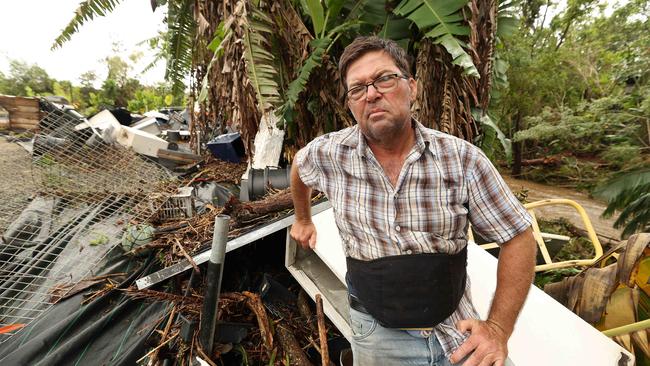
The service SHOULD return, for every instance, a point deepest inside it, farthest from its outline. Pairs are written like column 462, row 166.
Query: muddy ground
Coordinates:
column 604, row 227
column 16, row 184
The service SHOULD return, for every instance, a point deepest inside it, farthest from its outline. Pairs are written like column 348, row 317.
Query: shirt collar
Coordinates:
column 357, row 141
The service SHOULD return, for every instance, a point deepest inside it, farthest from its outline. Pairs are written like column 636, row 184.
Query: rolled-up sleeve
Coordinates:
column 494, row 211
column 308, row 169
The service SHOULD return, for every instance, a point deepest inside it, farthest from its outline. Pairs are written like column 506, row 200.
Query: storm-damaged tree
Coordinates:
column 250, row 59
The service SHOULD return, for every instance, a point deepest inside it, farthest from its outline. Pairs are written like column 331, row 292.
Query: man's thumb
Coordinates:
column 464, row 326
column 312, row 240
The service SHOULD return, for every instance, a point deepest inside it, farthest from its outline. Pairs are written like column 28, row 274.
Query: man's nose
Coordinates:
column 372, row 93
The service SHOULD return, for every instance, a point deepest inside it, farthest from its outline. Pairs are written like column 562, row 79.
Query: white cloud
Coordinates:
column 28, row 29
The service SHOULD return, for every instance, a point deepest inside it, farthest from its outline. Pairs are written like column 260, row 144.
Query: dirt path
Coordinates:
column 16, row 184
column 536, row 192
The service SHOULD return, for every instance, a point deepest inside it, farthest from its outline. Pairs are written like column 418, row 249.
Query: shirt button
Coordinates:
column 398, row 228
column 409, row 251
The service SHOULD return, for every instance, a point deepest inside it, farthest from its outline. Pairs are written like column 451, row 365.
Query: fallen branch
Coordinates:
column 255, row 304
column 322, row 331
column 291, row 347
column 64, row 291
column 204, row 356
column 168, row 326
column 187, row 256
column 157, row 348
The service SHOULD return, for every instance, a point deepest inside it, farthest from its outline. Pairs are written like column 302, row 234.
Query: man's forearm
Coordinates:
column 301, row 195
column 514, row 276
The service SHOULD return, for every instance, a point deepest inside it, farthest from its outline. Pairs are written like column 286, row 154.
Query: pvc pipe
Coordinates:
column 213, row 287
column 629, row 328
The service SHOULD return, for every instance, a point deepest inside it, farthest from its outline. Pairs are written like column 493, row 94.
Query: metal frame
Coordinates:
column 540, row 236
column 233, row 244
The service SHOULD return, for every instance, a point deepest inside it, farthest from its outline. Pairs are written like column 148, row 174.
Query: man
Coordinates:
column 403, row 196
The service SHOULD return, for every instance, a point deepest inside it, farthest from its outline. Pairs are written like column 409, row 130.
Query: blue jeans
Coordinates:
column 373, row 344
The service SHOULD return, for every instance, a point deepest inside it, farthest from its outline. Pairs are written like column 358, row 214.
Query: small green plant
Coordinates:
column 100, row 239
column 45, row 160
column 554, row 275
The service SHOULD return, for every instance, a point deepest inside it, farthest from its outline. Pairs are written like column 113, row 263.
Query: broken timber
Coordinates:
column 178, row 156
column 233, row 244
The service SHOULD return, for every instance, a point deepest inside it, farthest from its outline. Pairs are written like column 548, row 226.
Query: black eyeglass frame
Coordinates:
column 365, row 86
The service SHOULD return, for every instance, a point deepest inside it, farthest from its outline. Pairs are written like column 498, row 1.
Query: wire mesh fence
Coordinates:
column 67, row 204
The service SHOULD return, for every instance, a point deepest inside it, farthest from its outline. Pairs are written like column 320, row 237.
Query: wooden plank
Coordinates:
column 23, row 109
column 35, row 116
column 178, row 156
column 23, row 121
column 27, row 126
column 18, row 101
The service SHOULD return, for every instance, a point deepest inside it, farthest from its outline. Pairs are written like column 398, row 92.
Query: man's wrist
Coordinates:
column 304, row 220
column 499, row 326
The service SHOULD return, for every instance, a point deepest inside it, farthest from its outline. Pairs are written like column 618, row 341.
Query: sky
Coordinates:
column 28, row 29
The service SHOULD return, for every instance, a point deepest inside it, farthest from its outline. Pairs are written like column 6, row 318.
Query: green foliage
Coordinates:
column 319, row 46
column 100, row 239
column 174, row 45
column 592, row 109
column 181, row 31
column 221, row 35
column 260, row 66
column 86, row 11
column 618, row 156
column 315, row 10
column 544, row 278
column 145, row 100
column 117, row 90
column 602, row 129
column 630, row 194
column 492, row 137
column 25, row 79
column 296, row 87
column 441, row 21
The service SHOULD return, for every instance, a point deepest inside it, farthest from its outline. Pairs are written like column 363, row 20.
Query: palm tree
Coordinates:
column 629, row 193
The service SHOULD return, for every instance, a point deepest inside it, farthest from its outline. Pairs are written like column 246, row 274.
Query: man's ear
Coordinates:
column 413, row 89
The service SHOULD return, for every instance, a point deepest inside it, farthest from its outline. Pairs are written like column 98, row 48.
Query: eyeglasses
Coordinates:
column 383, row 84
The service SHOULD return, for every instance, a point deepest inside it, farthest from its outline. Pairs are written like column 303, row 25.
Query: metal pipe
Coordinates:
column 213, row 286
column 629, row 328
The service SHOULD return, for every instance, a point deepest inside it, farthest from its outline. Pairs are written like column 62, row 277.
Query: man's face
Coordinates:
column 380, row 116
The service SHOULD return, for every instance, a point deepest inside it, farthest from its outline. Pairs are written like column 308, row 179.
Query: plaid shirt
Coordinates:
column 444, row 182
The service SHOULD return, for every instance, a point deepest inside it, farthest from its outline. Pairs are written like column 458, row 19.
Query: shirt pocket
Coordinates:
column 440, row 212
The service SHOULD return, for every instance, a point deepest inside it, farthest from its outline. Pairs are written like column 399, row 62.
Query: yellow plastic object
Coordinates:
column 539, row 236
column 643, row 274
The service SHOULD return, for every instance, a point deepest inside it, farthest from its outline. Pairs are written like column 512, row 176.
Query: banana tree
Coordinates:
column 280, row 58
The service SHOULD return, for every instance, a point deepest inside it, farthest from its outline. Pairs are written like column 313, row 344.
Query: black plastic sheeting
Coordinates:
column 111, row 330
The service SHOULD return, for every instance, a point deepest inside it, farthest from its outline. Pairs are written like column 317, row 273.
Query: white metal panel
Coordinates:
column 546, row 332
column 140, row 141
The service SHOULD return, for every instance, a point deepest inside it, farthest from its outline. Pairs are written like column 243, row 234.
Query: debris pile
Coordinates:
column 118, row 188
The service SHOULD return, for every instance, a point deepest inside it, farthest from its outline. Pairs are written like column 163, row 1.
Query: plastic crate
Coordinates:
column 179, row 205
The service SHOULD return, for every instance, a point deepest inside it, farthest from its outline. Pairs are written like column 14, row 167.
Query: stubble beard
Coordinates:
column 384, row 131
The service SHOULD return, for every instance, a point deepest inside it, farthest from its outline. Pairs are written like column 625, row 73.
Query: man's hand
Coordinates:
column 486, row 346
column 304, row 232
